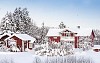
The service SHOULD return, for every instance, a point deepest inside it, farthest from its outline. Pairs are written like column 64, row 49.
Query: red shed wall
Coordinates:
column 19, row 41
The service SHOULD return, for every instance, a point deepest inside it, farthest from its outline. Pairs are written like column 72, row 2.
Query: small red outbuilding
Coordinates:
column 23, row 41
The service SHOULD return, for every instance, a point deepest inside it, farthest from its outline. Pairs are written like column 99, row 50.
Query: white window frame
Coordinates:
column 30, row 45
column 55, row 37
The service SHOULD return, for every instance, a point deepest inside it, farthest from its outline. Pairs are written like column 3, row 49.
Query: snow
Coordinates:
column 5, row 34
column 73, row 29
column 95, row 56
column 96, row 47
column 84, row 32
column 1, row 32
column 12, row 43
column 15, row 49
column 80, row 31
column 54, row 32
column 17, row 57
column 26, row 57
column 23, row 37
column 96, row 32
column 68, row 39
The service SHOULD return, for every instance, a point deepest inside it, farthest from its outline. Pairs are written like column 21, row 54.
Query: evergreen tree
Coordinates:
column 19, row 20
column 62, row 25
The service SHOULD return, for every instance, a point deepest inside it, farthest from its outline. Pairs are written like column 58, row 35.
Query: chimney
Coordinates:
column 78, row 27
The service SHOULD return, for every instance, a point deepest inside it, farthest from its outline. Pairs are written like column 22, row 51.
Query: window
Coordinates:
column 30, row 45
column 63, row 34
column 55, row 37
column 68, row 34
column 72, row 34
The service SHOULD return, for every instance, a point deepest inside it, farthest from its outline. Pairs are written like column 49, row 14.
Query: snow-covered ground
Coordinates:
column 17, row 57
column 26, row 57
column 89, row 54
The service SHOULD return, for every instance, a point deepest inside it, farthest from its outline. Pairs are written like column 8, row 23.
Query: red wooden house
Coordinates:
column 71, row 35
column 3, row 37
column 22, row 41
column 61, row 35
column 54, row 35
column 83, row 37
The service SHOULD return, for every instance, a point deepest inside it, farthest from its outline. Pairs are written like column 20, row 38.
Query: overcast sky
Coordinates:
column 85, row 13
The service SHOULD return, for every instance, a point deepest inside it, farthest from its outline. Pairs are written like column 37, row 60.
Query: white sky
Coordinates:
column 85, row 13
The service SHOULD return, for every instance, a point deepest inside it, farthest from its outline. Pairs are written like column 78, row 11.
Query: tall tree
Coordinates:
column 19, row 20
column 6, row 23
column 42, row 33
column 22, row 20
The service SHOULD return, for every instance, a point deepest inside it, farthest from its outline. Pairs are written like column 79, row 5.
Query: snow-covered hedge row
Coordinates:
column 62, row 59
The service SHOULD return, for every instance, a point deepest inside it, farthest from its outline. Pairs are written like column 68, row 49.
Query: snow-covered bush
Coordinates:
column 37, row 60
column 3, row 48
column 7, row 61
column 63, row 59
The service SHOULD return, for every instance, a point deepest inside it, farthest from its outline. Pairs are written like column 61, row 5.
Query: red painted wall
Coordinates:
column 57, row 39
column 76, row 42
column 63, row 34
column 92, row 37
column 71, row 34
column 19, row 42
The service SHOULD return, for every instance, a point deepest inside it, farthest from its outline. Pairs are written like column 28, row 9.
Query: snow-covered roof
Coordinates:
column 1, row 32
column 54, row 32
column 73, row 29
column 96, row 47
column 5, row 34
column 79, row 31
column 23, row 37
column 96, row 32
column 84, row 32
